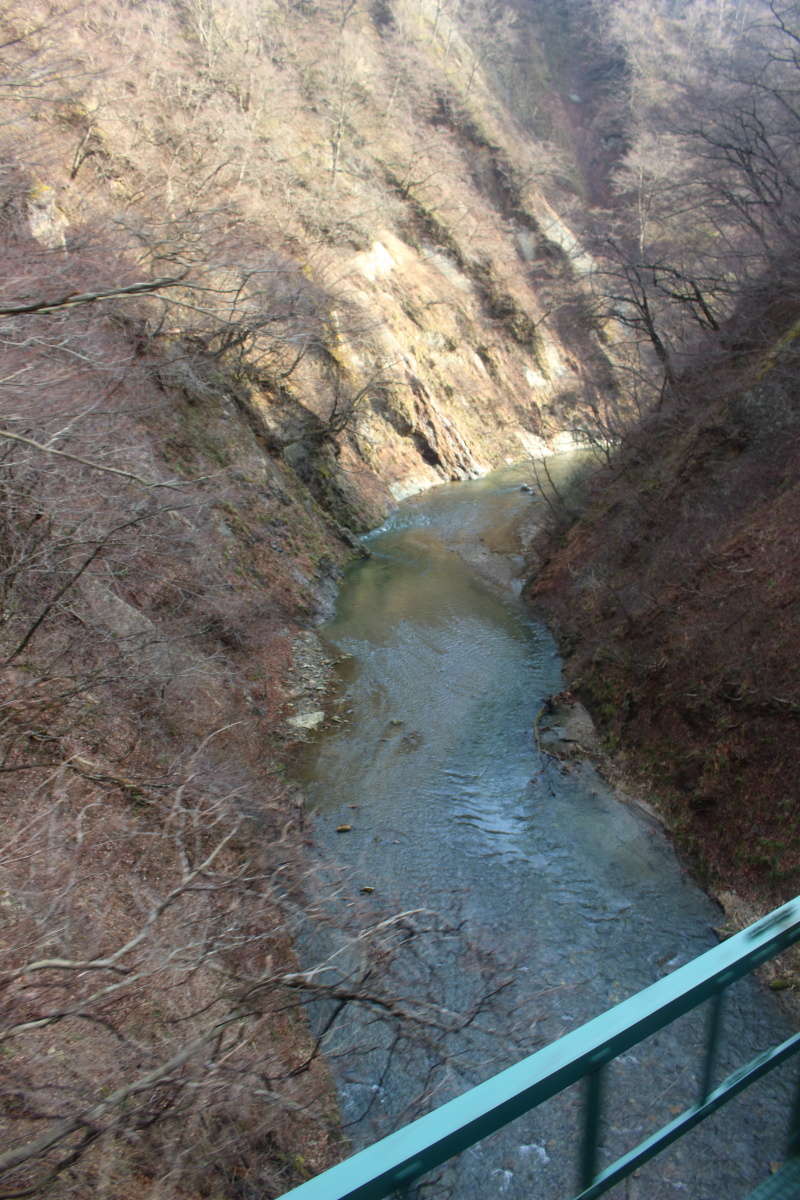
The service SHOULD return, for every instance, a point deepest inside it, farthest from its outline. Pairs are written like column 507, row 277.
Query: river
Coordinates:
column 541, row 880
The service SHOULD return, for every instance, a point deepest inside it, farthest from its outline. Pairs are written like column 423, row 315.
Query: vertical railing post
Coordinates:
column 592, row 1109
column 793, row 1146
column 713, row 1027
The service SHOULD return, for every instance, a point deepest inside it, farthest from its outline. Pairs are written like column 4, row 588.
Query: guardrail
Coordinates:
column 393, row 1163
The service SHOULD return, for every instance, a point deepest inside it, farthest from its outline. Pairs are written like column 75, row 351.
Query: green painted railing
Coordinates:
column 393, row 1163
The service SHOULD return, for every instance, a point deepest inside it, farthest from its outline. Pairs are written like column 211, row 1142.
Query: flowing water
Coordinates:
column 540, row 874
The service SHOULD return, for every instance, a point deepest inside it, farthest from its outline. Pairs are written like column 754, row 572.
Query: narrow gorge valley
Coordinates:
column 360, row 359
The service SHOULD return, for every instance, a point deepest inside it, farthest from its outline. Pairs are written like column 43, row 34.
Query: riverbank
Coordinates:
column 519, row 532
column 552, row 899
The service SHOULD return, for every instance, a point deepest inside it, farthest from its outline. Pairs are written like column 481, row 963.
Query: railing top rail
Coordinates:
column 429, row 1141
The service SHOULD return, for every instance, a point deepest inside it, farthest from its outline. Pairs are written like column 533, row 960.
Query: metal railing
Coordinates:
column 393, row 1163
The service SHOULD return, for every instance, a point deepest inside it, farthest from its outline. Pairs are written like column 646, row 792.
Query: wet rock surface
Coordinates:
column 564, row 728
column 308, row 685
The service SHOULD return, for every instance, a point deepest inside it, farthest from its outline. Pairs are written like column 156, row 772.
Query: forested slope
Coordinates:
column 267, row 266
column 676, row 591
column 676, row 597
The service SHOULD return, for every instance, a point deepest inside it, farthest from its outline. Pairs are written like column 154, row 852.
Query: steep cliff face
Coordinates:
column 676, row 597
column 361, row 168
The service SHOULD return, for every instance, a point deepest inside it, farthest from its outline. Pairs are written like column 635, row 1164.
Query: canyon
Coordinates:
column 272, row 268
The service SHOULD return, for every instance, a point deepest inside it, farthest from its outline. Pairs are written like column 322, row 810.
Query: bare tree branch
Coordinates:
column 74, row 298
column 86, row 462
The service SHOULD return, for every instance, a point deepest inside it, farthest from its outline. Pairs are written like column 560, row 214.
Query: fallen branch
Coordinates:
column 87, row 462
column 73, row 298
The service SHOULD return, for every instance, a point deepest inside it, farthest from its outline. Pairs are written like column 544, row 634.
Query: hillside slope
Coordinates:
column 268, row 267
column 676, row 597
column 344, row 183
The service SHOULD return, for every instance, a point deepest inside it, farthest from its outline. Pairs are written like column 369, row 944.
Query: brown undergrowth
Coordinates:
column 159, row 557
column 157, row 562
column 675, row 596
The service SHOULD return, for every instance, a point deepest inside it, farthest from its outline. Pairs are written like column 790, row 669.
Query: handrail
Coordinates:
column 397, row 1160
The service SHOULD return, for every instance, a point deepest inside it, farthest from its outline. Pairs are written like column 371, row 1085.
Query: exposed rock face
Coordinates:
column 46, row 221
column 435, row 253
column 565, row 729
column 462, row 390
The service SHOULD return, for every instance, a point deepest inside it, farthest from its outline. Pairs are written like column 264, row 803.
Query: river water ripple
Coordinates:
column 574, row 895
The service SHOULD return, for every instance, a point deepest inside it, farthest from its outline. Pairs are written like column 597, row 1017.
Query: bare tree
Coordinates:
column 709, row 192
column 180, row 985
